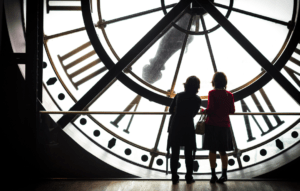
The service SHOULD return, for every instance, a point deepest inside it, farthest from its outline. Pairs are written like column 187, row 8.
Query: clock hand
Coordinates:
column 245, row 43
column 109, row 63
column 117, row 69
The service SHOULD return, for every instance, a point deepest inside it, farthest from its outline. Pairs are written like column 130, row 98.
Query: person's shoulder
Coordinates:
column 211, row 92
column 229, row 93
column 197, row 97
column 180, row 94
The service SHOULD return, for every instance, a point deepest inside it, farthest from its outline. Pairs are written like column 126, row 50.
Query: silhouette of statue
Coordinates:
column 170, row 43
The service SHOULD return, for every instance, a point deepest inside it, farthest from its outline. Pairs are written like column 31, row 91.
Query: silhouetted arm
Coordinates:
column 173, row 105
column 197, row 108
column 232, row 108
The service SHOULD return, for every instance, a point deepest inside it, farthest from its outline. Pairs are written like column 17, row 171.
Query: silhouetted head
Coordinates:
column 192, row 84
column 219, row 80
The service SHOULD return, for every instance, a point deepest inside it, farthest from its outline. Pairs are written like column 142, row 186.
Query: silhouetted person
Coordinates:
column 217, row 135
column 184, row 107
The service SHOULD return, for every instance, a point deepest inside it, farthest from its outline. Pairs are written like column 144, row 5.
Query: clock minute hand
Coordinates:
column 252, row 51
column 123, row 62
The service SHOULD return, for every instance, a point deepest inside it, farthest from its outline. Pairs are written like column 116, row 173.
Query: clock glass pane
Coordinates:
column 73, row 68
column 227, row 54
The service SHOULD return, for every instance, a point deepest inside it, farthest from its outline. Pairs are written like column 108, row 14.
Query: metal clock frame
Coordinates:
column 261, row 77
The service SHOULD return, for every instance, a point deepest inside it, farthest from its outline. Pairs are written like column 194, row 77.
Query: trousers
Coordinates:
column 188, row 162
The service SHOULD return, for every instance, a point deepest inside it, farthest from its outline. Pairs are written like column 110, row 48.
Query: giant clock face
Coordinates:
column 193, row 44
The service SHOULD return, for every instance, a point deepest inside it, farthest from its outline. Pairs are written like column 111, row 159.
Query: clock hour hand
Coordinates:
column 252, row 50
column 170, row 43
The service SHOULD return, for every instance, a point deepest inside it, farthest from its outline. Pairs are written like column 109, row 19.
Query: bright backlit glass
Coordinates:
column 71, row 60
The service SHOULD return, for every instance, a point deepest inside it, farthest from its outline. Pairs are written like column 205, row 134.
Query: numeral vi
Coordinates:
column 135, row 102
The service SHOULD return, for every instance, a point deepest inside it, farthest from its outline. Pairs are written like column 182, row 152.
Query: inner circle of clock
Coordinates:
column 198, row 12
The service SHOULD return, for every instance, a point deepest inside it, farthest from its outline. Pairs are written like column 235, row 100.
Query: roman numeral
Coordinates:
column 245, row 108
column 135, row 102
column 63, row 7
column 292, row 73
column 79, row 60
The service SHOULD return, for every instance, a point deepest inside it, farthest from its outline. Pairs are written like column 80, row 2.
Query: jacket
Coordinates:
column 184, row 108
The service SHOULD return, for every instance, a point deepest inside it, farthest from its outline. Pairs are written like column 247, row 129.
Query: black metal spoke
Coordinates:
column 208, row 45
column 123, row 62
column 197, row 23
column 254, row 15
column 136, row 15
column 158, row 138
column 63, row 33
column 252, row 51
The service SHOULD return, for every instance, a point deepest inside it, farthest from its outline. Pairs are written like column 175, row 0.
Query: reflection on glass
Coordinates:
column 170, row 43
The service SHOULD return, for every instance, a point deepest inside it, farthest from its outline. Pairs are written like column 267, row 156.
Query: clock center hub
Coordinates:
column 198, row 9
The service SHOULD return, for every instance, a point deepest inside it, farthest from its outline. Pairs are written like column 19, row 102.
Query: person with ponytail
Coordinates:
column 217, row 135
